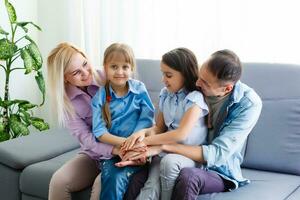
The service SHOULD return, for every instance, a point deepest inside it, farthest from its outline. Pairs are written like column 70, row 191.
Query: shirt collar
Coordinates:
column 131, row 88
column 181, row 93
column 238, row 92
column 73, row 91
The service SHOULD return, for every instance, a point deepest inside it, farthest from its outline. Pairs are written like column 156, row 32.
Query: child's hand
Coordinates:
column 132, row 154
column 133, row 139
column 130, row 163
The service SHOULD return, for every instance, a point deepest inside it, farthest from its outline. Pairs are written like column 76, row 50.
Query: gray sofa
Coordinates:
column 272, row 153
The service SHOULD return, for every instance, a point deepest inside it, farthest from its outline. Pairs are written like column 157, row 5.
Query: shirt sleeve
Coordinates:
column 99, row 125
column 196, row 98
column 232, row 136
column 146, row 118
column 162, row 96
column 82, row 132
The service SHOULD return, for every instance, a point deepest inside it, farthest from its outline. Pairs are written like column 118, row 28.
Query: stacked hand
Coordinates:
column 134, row 151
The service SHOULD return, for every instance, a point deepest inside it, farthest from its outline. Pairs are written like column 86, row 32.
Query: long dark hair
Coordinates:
column 184, row 61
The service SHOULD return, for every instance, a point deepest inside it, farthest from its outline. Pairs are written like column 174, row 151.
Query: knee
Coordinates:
column 170, row 166
column 60, row 180
column 185, row 175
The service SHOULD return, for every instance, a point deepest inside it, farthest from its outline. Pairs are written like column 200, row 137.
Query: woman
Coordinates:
column 73, row 82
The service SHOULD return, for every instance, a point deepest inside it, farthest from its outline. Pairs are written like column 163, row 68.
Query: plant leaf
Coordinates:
column 28, row 61
column 23, row 24
column 29, row 39
column 4, row 136
column 7, row 49
column 35, row 53
column 3, row 32
column 25, row 117
column 41, row 83
column 11, row 12
column 40, row 125
column 17, row 127
column 27, row 106
column 1, row 127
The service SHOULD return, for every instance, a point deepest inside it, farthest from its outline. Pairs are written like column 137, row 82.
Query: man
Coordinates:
column 234, row 110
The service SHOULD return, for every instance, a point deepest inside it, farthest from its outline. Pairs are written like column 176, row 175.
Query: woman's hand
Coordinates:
column 133, row 139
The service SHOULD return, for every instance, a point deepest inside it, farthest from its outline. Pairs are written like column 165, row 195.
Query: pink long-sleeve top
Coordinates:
column 80, row 125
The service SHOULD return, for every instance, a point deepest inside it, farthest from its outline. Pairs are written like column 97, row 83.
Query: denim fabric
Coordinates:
column 129, row 113
column 115, row 180
column 225, row 154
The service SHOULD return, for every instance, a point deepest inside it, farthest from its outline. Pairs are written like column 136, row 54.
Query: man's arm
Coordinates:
column 193, row 152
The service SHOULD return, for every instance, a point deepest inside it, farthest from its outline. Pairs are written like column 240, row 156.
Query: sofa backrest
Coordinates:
column 274, row 143
column 148, row 71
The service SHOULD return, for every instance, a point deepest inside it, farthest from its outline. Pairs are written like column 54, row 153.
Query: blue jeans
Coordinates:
column 115, row 180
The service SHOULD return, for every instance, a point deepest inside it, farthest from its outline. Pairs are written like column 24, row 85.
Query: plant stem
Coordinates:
column 19, row 39
column 15, row 58
column 6, row 95
column 16, row 68
column 3, row 67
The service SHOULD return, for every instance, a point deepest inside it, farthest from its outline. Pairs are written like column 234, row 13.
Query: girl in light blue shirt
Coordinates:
column 120, row 108
column 180, row 119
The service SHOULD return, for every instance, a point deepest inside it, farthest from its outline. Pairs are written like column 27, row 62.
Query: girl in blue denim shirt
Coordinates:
column 120, row 108
column 180, row 119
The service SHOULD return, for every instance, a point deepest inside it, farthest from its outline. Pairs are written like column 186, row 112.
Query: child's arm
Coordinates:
column 186, row 124
column 99, row 126
column 159, row 127
column 111, row 139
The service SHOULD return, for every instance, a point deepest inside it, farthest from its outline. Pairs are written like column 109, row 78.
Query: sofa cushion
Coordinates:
column 35, row 178
column 148, row 71
column 274, row 143
column 58, row 141
column 264, row 185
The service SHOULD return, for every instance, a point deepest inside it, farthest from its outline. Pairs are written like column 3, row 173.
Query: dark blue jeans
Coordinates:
column 115, row 180
column 189, row 185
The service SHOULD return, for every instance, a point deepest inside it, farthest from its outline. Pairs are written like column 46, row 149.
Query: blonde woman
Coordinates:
column 72, row 83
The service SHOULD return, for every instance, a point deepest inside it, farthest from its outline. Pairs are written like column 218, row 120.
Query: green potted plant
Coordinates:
column 16, row 115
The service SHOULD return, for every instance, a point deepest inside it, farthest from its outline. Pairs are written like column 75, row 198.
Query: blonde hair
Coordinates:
column 57, row 63
column 109, row 54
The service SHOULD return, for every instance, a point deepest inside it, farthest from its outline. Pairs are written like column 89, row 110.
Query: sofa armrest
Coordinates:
column 23, row 151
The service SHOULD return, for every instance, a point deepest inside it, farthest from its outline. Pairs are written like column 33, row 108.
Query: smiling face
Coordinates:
column 118, row 71
column 79, row 71
column 210, row 85
column 172, row 79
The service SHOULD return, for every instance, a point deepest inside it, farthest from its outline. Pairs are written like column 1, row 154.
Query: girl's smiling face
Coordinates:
column 172, row 79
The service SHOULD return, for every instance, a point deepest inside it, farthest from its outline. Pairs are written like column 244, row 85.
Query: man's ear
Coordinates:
column 228, row 88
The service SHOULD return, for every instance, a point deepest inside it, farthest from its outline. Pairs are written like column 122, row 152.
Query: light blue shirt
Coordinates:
column 174, row 105
column 225, row 154
column 129, row 113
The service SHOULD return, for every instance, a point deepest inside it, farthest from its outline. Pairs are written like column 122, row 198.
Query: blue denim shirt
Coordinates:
column 225, row 154
column 129, row 113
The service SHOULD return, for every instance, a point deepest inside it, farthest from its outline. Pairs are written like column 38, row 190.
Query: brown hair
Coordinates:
column 109, row 54
column 225, row 65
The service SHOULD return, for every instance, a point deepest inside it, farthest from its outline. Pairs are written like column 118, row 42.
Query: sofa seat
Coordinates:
column 35, row 176
column 264, row 185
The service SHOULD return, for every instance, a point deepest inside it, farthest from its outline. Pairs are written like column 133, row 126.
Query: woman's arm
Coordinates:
column 82, row 132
